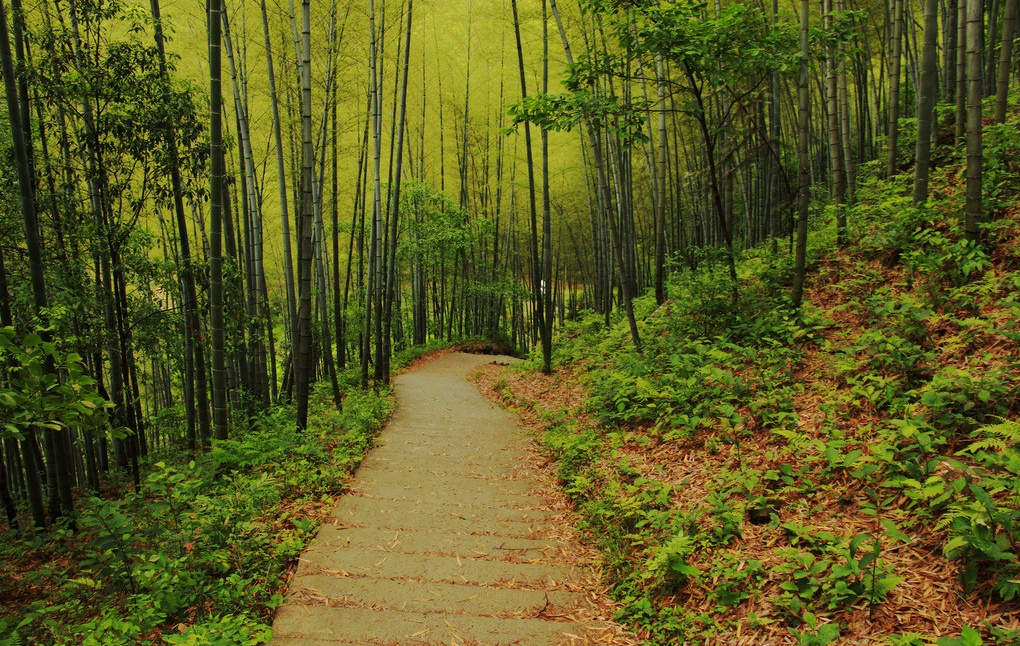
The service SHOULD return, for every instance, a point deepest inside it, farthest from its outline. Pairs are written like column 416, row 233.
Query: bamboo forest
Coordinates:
column 745, row 275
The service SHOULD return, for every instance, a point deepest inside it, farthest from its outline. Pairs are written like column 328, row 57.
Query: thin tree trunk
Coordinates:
column 988, row 50
column 216, row 297
column 374, row 262
column 288, row 256
column 1005, row 61
column 972, row 209
column 949, row 37
column 926, row 101
column 304, row 366
column 961, row 72
column 835, row 134
column 196, row 401
column 59, row 476
column 546, row 320
column 660, row 193
column 536, row 273
column 803, row 160
column 391, row 269
column 257, row 307
column 894, row 88
column 849, row 161
column 598, row 160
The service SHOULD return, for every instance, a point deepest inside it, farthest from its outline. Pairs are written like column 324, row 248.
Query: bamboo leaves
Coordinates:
column 564, row 112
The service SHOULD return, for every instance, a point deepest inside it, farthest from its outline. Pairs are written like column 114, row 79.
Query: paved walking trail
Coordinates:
column 444, row 537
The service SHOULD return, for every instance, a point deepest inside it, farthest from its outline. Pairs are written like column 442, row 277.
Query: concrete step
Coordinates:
column 441, row 543
column 501, row 468
column 399, row 514
column 325, row 625
column 432, row 597
column 352, row 561
column 466, row 491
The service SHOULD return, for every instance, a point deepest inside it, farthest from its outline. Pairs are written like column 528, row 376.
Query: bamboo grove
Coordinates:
column 201, row 233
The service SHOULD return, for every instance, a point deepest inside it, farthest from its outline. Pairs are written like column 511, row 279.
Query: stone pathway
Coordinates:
column 444, row 537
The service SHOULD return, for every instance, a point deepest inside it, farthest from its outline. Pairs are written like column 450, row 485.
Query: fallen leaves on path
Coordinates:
column 595, row 615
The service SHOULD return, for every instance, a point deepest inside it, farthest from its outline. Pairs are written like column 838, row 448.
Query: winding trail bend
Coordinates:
column 445, row 536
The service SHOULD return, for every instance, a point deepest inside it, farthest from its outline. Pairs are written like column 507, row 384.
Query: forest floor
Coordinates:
column 928, row 600
column 454, row 531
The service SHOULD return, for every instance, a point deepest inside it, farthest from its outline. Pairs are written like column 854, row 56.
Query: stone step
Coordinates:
column 432, row 597
column 441, row 543
column 480, row 495
column 325, row 625
column 403, row 514
column 352, row 561
column 502, row 467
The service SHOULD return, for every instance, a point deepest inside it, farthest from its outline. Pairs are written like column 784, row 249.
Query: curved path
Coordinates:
column 444, row 538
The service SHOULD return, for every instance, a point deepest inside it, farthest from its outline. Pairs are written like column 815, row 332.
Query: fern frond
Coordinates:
column 999, row 437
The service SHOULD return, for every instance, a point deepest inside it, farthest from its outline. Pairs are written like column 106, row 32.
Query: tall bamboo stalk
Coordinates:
column 973, row 209
column 803, row 159
column 304, row 365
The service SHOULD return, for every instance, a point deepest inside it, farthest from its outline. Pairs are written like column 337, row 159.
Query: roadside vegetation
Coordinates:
column 200, row 554
column 846, row 472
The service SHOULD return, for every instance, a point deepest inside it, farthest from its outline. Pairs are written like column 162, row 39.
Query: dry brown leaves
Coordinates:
column 534, row 393
column 928, row 601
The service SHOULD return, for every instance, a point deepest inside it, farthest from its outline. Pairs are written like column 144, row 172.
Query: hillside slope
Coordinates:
column 846, row 473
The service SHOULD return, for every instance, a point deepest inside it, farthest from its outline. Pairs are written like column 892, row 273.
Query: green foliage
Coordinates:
column 407, row 356
column 200, row 552
column 984, row 518
column 968, row 637
column 563, row 112
column 47, row 387
column 815, row 634
column 1001, row 143
column 227, row 629
column 900, row 419
column 723, row 48
column 667, row 564
column 832, row 572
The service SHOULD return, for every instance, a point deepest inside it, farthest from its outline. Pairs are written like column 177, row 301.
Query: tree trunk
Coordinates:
column 608, row 220
column 894, row 88
column 546, row 320
column 196, row 400
column 288, row 257
column 988, row 50
column 660, row 181
column 391, row 255
column 926, row 101
column 59, row 480
column 303, row 365
column 1005, row 61
column 835, row 133
column 849, row 160
column 258, row 308
column 803, row 160
column 216, row 198
column 972, row 209
column 949, row 52
column 961, row 72
column 536, row 273
column 374, row 269
column 338, row 308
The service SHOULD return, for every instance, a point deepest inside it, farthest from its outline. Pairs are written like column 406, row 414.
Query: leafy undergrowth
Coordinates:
column 202, row 553
column 415, row 356
column 846, row 473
